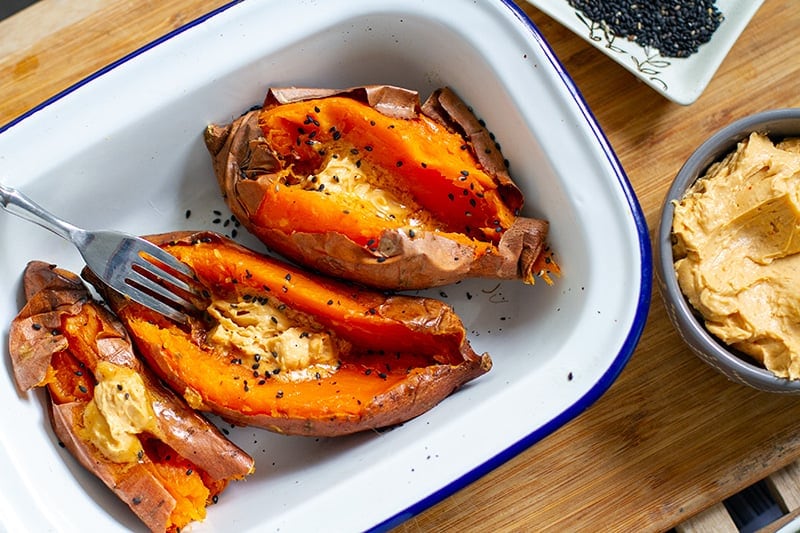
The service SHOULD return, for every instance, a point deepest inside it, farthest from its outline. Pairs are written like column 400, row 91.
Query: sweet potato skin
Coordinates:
column 249, row 170
column 44, row 334
column 408, row 353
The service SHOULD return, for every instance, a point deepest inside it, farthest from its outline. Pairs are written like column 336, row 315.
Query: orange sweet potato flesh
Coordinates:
column 397, row 356
column 295, row 172
column 59, row 340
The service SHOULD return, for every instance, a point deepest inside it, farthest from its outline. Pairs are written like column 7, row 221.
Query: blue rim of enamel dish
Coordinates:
column 645, row 255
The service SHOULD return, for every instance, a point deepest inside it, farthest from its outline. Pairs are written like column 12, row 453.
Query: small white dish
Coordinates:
column 124, row 149
column 681, row 80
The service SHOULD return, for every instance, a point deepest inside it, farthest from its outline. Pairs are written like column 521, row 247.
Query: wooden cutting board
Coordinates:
column 671, row 437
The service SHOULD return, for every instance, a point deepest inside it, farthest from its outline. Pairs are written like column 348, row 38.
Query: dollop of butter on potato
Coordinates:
column 271, row 341
column 118, row 412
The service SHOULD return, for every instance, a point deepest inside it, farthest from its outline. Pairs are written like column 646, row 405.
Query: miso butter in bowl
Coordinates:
column 747, row 230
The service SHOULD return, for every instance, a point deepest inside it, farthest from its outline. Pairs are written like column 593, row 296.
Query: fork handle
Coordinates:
column 18, row 204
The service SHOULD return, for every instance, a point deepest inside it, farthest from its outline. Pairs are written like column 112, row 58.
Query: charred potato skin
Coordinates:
column 246, row 166
column 38, row 334
column 414, row 392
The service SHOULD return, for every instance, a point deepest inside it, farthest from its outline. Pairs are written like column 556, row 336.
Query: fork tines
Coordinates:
column 162, row 283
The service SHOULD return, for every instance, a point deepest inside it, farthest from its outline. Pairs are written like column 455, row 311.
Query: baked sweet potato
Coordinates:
column 368, row 185
column 154, row 452
column 298, row 353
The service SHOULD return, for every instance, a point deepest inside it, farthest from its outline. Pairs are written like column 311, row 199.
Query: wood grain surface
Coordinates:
column 671, row 437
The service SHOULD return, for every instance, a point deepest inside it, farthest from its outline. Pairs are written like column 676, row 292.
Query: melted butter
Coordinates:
column 367, row 188
column 119, row 411
column 270, row 340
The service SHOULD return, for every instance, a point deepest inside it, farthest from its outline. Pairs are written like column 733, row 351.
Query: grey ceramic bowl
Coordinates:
column 777, row 124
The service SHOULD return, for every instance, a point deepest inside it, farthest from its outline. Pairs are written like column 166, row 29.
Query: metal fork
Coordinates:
column 132, row 266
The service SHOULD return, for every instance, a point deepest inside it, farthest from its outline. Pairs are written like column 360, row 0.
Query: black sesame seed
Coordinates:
column 676, row 28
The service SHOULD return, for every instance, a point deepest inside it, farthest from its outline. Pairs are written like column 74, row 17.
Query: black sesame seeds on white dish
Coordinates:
column 676, row 28
column 673, row 46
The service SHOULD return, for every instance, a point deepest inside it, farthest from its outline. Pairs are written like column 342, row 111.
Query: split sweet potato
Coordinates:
column 368, row 185
column 151, row 449
column 297, row 353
